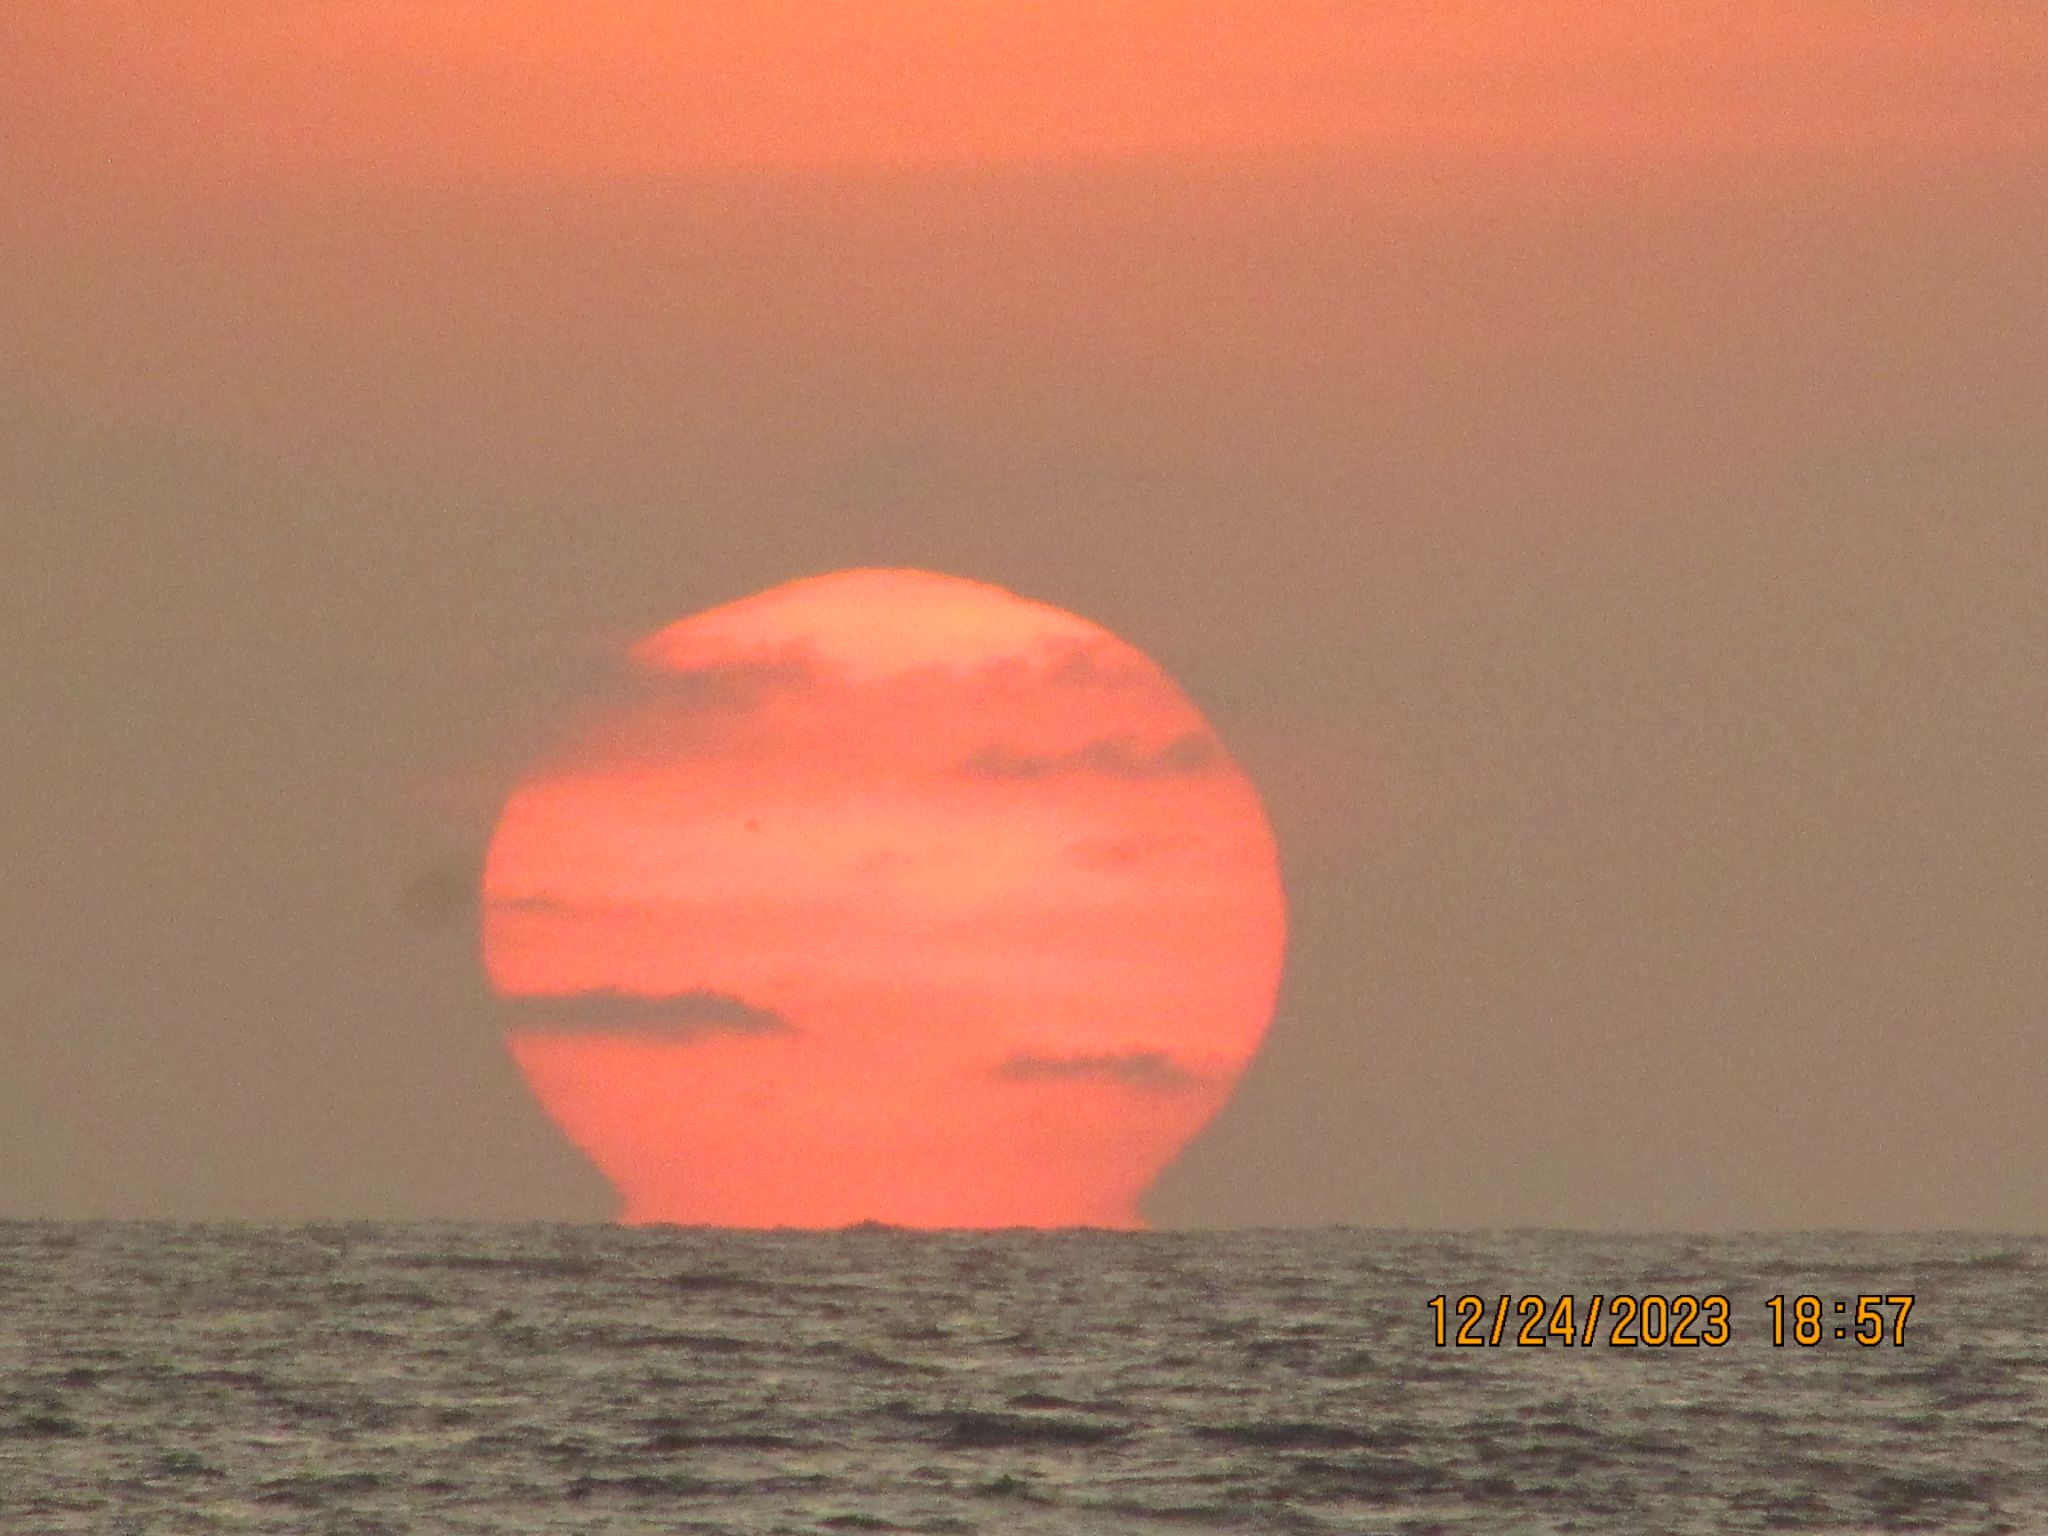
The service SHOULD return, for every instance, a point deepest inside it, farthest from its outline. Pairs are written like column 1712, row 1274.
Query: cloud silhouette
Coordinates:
column 732, row 687
column 655, row 714
column 1147, row 1071
column 564, row 908
column 439, row 897
column 1109, row 757
column 672, row 1015
column 1091, row 664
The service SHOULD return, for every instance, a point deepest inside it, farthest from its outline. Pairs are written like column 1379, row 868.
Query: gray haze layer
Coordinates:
column 1627, row 588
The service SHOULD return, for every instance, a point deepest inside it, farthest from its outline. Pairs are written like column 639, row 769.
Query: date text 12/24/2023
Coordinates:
column 1660, row 1322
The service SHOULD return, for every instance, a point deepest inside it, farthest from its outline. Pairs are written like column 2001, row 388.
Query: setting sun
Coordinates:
column 885, row 896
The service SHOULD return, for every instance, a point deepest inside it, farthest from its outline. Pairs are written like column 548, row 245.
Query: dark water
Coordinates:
column 515, row 1380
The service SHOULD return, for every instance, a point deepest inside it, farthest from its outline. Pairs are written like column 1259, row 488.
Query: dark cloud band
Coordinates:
column 1109, row 757
column 671, row 1015
column 732, row 687
column 1147, row 1071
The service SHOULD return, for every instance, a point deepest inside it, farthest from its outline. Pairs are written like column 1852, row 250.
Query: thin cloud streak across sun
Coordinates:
column 674, row 1015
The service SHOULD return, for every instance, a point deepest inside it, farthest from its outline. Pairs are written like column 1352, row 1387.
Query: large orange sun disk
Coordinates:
column 885, row 896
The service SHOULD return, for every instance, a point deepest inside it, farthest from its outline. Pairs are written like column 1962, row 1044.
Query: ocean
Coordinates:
column 369, row 1379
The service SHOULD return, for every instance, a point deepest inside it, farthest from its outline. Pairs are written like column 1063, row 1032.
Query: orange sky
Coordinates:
column 429, row 90
column 1600, row 505
column 885, row 896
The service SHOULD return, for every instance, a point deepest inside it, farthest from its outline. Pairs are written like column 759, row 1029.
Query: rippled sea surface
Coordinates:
column 368, row 1379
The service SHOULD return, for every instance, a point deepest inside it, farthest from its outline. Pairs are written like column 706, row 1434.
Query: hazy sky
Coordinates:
column 1593, row 475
